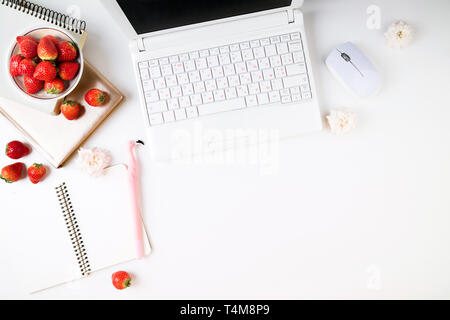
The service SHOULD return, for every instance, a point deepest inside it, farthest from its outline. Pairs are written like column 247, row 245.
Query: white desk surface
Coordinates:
column 366, row 215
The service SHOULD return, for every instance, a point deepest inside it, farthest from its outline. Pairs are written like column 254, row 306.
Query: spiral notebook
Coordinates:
column 83, row 230
column 22, row 15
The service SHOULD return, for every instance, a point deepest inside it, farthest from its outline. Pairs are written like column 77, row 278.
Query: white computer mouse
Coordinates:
column 354, row 70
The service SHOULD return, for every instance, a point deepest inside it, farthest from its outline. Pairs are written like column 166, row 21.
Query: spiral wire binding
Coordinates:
column 54, row 17
column 72, row 226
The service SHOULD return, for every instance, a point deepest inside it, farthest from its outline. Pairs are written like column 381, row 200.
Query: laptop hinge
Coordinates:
column 140, row 44
column 290, row 14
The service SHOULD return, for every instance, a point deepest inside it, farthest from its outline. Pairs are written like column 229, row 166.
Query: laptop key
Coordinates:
column 295, row 81
column 263, row 98
column 194, row 55
column 168, row 116
column 295, row 36
column 245, row 45
column 184, row 57
column 173, row 104
column 282, row 48
column 298, row 56
column 156, row 107
column 151, row 96
column 207, row 97
column 285, row 37
column 224, row 49
column 275, row 39
column 180, row 114
column 144, row 74
column 296, row 97
column 306, row 95
column 156, row 119
column 191, row 112
column 153, row 63
column 254, row 43
column 155, row 72
column 164, row 61
column 294, row 69
column 143, row 64
column 274, row 96
column 215, row 107
column 148, row 85
column 286, row 99
column 251, row 100
column 204, row 53
column 234, row 47
column 265, row 42
column 295, row 46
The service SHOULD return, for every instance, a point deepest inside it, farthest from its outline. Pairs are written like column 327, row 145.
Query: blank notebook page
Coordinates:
column 102, row 210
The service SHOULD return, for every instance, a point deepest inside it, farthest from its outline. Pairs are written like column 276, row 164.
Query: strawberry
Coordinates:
column 52, row 39
column 45, row 71
column 95, row 97
column 16, row 150
column 32, row 85
column 14, row 65
column 46, row 49
column 36, row 172
column 68, row 70
column 121, row 279
column 67, row 51
column 13, row 172
column 70, row 109
column 54, row 86
column 28, row 48
column 21, row 38
column 27, row 67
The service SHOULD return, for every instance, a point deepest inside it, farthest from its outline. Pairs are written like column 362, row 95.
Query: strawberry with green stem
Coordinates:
column 36, row 172
column 16, row 150
column 14, row 65
column 68, row 70
column 70, row 109
column 45, row 71
column 46, row 49
column 121, row 280
column 13, row 172
column 32, row 85
column 95, row 97
column 28, row 46
column 52, row 39
column 67, row 51
column 27, row 67
column 55, row 86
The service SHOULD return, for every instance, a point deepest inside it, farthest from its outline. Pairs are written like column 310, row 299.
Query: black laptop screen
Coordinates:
column 153, row 15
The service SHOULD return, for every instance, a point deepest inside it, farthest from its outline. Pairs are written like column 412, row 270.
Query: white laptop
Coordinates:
column 211, row 72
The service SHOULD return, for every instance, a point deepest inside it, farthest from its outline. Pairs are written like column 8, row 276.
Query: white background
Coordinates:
column 365, row 215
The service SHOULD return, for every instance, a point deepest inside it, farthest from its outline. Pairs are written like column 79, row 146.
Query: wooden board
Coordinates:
column 55, row 136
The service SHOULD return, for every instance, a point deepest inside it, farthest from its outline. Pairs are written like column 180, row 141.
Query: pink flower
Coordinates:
column 399, row 34
column 94, row 161
column 341, row 121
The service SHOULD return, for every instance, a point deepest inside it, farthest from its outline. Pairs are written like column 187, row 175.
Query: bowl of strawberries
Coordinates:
column 45, row 63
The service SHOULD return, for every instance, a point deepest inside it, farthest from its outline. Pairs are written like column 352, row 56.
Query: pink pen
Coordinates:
column 132, row 176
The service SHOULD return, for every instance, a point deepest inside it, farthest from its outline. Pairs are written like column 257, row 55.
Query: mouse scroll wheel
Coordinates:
column 345, row 56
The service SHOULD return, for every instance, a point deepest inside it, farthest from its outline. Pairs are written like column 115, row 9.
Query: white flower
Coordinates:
column 93, row 161
column 399, row 34
column 341, row 121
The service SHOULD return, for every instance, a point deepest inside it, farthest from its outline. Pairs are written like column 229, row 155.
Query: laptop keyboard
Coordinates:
column 230, row 77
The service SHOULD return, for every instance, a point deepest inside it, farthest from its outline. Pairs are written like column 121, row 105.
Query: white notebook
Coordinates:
column 21, row 16
column 84, row 225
